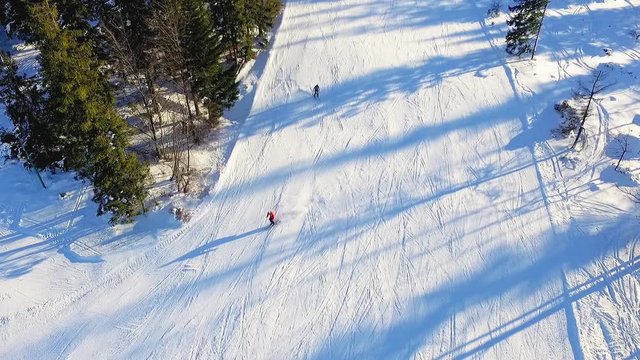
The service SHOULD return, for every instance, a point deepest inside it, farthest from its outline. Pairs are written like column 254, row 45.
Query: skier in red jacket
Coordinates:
column 272, row 217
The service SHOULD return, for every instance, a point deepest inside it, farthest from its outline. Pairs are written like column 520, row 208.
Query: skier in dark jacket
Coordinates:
column 272, row 217
column 316, row 91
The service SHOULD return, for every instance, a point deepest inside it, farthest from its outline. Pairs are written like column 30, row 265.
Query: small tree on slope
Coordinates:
column 524, row 25
column 586, row 95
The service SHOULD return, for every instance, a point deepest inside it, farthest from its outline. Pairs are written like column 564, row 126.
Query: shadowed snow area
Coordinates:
column 423, row 214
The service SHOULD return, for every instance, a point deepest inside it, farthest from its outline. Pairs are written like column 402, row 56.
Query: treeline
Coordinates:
column 64, row 116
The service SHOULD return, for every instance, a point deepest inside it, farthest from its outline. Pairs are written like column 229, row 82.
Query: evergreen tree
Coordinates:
column 72, row 14
column 91, row 135
column 203, row 50
column 524, row 24
column 15, row 16
column 135, row 30
column 262, row 14
column 231, row 22
column 119, row 183
column 238, row 22
column 31, row 138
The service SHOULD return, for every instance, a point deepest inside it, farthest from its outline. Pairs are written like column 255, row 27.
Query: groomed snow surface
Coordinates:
column 426, row 211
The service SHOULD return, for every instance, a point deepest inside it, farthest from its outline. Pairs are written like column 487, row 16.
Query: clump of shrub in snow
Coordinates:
column 183, row 215
column 577, row 111
column 570, row 116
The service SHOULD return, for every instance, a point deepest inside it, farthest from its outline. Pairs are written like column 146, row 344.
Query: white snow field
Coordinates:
column 425, row 210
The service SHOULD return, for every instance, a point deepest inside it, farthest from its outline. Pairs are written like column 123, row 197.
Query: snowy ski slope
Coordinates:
column 423, row 215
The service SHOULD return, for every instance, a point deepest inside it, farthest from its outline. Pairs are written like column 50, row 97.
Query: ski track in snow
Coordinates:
column 411, row 224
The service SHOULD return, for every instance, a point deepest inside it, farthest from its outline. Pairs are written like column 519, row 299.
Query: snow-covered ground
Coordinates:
column 426, row 210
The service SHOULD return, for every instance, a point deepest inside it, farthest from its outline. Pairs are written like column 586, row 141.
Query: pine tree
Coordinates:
column 72, row 14
column 15, row 16
column 119, row 183
column 32, row 138
column 524, row 24
column 203, row 50
column 262, row 14
column 135, row 28
column 91, row 135
column 231, row 22
column 239, row 22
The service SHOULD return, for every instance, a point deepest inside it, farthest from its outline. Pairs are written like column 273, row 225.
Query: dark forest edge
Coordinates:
column 65, row 116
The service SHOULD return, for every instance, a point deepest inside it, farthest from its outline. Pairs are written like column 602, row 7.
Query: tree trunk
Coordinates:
column 148, row 109
column 195, row 104
column 535, row 44
column 151, row 87
column 586, row 110
column 620, row 159
column 624, row 151
column 190, row 124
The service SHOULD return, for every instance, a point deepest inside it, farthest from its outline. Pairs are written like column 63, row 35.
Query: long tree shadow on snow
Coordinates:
column 29, row 240
column 382, row 89
column 561, row 303
column 213, row 245
column 352, row 97
column 365, row 16
column 508, row 272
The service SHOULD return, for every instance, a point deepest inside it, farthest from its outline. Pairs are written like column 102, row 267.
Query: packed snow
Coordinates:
column 426, row 210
